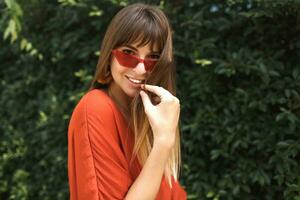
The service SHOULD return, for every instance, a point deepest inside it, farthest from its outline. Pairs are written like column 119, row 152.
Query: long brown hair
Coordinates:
column 144, row 24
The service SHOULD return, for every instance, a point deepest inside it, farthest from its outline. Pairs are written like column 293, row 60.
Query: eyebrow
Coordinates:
column 132, row 47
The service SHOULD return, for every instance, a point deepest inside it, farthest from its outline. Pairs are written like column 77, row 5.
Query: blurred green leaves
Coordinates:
column 13, row 13
column 238, row 80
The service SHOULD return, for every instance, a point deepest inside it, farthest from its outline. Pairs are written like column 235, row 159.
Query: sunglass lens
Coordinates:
column 126, row 60
column 149, row 64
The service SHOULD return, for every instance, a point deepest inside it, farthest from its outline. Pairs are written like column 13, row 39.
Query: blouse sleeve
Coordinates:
column 97, row 167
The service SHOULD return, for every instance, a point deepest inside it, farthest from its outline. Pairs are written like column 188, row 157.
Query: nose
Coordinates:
column 140, row 68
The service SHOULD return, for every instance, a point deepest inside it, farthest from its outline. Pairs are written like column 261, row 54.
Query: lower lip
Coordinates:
column 134, row 84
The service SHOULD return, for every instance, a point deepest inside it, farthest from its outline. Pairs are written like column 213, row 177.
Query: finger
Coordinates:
column 146, row 100
column 159, row 91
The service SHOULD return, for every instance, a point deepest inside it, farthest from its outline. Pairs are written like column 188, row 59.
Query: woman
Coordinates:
column 123, row 135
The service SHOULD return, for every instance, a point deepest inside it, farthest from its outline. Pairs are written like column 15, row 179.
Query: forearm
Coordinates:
column 147, row 184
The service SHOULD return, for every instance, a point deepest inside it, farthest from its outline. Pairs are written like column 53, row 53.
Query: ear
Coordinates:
column 107, row 72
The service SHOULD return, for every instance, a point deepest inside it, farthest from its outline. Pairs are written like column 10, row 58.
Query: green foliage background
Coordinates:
column 238, row 75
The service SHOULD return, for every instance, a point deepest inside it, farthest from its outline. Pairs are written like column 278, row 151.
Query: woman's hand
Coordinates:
column 163, row 117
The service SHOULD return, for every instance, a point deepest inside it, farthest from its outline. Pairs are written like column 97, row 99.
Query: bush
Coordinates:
column 238, row 81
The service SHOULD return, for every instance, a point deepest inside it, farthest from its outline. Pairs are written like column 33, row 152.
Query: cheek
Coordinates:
column 117, row 69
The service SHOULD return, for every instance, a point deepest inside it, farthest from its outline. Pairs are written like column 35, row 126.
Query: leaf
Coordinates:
column 210, row 194
column 203, row 62
column 11, row 31
column 296, row 73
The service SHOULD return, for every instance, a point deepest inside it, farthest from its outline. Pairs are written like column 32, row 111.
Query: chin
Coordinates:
column 130, row 92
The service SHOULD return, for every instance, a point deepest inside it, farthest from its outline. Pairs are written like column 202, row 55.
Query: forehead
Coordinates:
column 152, row 47
column 140, row 39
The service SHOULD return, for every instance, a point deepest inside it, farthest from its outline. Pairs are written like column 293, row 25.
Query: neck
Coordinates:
column 121, row 99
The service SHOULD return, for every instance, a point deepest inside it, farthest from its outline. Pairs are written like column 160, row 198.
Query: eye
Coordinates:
column 128, row 51
column 153, row 56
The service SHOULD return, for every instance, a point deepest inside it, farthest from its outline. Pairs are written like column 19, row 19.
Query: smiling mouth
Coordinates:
column 135, row 81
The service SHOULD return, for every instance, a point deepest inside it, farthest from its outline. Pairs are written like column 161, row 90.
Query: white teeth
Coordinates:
column 134, row 80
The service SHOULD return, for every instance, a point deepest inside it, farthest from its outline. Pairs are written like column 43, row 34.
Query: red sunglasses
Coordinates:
column 131, row 61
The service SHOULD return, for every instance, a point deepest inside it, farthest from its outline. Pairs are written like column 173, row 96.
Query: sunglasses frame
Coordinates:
column 135, row 60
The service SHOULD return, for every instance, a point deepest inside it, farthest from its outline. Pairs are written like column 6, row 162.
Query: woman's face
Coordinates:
column 127, row 80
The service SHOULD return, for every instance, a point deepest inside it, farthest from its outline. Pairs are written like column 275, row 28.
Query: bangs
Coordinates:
column 142, row 29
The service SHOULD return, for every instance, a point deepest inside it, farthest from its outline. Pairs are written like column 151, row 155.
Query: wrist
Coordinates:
column 164, row 142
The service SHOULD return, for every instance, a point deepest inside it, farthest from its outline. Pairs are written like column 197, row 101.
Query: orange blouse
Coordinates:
column 100, row 146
